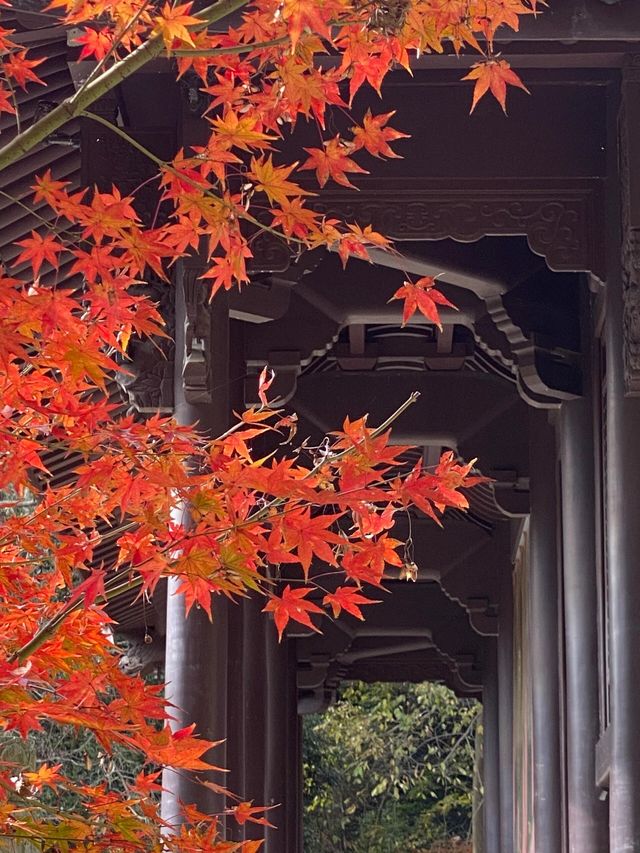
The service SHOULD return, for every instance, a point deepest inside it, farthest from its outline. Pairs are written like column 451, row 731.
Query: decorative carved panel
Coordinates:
column 630, row 183
column 559, row 218
column 270, row 255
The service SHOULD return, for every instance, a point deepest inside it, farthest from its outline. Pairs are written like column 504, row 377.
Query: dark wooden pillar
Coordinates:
column 491, row 748
column 586, row 812
column 196, row 649
column 505, row 709
column 544, row 621
column 623, row 485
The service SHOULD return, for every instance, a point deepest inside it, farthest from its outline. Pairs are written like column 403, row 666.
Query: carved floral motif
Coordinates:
column 557, row 219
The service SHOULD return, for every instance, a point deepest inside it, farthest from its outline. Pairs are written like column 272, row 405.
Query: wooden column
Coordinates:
column 544, row 621
column 196, row 649
column 505, row 709
column 491, row 748
column 622, row 337
column 586, row 812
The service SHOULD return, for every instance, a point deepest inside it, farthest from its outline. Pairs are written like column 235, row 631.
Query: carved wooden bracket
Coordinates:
column 147, row 378
column 196, row 369
column 560, row 218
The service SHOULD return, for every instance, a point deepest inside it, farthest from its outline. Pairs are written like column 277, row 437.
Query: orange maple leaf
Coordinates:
column 94, row 43
column 240, row 131
column 421, row 296
column 347, row 598
column 292, row 605
column 244, row 812
column 46, row 776
column 90, row 589
column 374, row 135
column 38, row 249
column 180, row 749
column 313, row 15
column 272, row 180
column 494, row 75
column 265, row 380
column 172, row 24
column 19, row 68
column 333, row 161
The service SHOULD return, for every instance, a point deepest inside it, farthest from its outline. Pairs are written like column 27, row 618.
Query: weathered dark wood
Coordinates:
column 254, row 708
column 293, row 782
column 582, row 20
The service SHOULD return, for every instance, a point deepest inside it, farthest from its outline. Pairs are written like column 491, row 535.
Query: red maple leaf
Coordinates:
column 494, row 75
column 292, row 604
column 244, row 813
column 89, row 589
column 421, row 296
column 375, row 136
column 38, row 249
column 347, row 598
column 333, row 161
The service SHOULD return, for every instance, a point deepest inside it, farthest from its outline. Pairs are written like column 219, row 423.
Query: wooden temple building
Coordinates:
column 531, row 600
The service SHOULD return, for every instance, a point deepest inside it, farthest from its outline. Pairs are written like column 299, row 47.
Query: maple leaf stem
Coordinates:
column 384, row 426
column 73, row 106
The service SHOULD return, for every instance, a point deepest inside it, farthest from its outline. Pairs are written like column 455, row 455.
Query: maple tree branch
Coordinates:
column 75, row 104
column 222, row 51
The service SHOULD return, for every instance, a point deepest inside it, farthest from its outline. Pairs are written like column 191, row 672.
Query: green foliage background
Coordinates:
column 389, row 768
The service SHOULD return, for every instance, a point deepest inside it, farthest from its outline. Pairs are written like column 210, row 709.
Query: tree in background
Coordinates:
column 389, row 768
column 69, row 307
